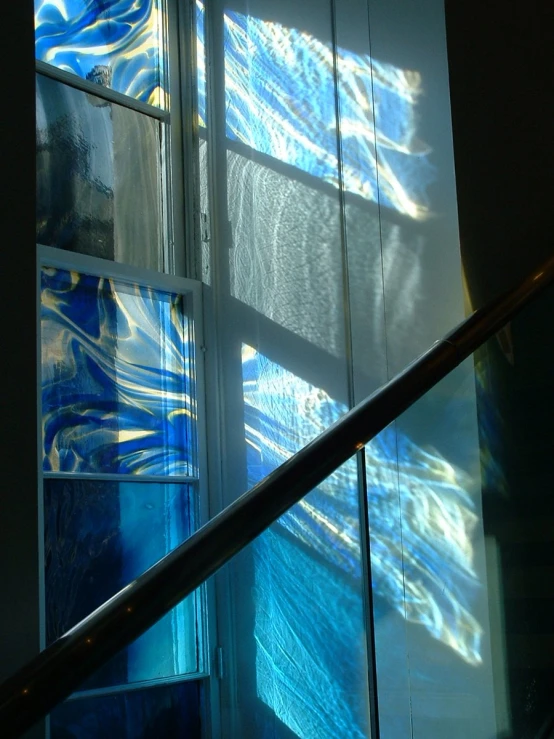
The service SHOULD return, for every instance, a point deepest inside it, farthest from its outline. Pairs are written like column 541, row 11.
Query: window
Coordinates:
column 120, row 326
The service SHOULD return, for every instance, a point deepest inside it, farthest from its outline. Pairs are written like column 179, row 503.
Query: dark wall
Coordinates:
column 501, row 63
column 19, row 634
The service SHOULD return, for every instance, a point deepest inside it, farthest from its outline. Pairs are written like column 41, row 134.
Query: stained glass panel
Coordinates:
column 98, row 177
column 117, row 377
column 117, row 44
column 101, row 535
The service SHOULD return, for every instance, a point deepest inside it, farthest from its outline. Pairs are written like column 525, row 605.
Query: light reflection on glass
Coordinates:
column 270, row 71
column 116, row 44
column 117, row 377
column 99, row 536
column 422, row 566
column 307, row 568
column 94, row 194
column 201, row 63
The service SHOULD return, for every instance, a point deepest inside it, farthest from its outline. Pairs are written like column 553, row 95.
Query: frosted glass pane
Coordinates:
column 117, row 377
column 99, row 536
column 98, row 177
column 117, row 44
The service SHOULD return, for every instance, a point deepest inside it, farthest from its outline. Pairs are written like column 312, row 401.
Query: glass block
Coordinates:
column 154, row 713
column 117, row 44
column 98, row 177
column 101, row 535
column 117, row 377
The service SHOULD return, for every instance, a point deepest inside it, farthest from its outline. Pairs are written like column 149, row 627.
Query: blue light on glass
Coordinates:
column 422, row 563
column 153, row 713
column 117, row 377
column 116, row 44
column 270, row 73
column 100, row 536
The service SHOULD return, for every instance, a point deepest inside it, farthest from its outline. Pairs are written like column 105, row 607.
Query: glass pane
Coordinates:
column 281, row 293
column 154, row 713
column 117, row 377
column 515, row 402
column 101, row 535
column 305, row 570
column 117, row 44
column 98, row 177
column 434, row 670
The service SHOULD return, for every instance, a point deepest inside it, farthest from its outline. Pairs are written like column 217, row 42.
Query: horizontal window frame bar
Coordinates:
column 52, row 256
column 154, row 683
column 122, row 477
column 106, row 93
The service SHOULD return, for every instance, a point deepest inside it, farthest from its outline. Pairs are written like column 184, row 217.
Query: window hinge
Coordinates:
column 204, row 228
column 219, row 663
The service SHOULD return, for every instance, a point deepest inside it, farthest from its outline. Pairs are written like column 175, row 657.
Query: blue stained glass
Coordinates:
column 201, row 63
column 117, row 44
column 271, row 72
column 117, row 377
column 101, row 535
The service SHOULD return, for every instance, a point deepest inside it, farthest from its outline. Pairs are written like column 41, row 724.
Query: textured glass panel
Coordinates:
column 99, row 536
column 98, row 177
column 117, row 377
column 155, row 713
column 307, row 568
column 115, row 43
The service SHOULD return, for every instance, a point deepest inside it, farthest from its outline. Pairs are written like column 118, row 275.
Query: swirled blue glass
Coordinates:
column 117, row 44
column 117, row 377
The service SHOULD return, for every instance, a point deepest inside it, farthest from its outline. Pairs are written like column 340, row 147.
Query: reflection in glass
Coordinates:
column 423, row 525
column 101, row 535
column 117, row 377
column 422, row 552
column 282, row 414
column 201, row 64
column 117, row 44
column 154, row 713
column 95, row 193
column 307, row 567
column 270, row 71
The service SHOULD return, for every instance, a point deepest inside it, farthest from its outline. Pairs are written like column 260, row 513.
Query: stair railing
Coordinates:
column 56, row 672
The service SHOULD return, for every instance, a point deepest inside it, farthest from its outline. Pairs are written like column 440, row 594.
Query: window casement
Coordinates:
column 120, row 329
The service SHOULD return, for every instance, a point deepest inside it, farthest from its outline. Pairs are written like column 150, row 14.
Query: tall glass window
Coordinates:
column 118, row 438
